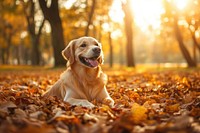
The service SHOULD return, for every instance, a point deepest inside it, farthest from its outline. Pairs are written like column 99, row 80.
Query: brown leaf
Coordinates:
column 5, row 106
column 33, row 129
column 40, row 115
column 164, row 101
column 19, row 113
column 172, row 108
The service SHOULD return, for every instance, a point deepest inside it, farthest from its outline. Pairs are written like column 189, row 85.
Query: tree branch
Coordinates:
column 194, row 38
column 91, row 13
column 45, row 9
column 30, row 16
column 40, row 28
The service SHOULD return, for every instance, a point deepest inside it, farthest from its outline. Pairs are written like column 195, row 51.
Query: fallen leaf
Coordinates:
column 6, row 105
column 155, row 101
column 19, row 113
column 40, row 115
column 172, row 108
column 138, row 113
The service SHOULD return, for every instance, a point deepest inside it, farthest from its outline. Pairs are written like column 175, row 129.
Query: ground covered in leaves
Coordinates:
column 147, row 102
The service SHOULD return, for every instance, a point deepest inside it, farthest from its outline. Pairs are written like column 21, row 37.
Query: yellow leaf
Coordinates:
column 138, row 113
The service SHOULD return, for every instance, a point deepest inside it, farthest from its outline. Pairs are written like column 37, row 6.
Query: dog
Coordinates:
column 83, row 81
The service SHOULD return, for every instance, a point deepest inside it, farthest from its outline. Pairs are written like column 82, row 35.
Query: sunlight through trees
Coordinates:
column 35, row 32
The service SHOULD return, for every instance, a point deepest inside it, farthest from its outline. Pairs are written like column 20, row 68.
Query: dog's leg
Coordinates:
column 105, row 98
column 56, row 90
column 108, row 101
column 80, row 102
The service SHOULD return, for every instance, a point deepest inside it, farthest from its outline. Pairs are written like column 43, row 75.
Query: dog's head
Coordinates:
column 86, row 51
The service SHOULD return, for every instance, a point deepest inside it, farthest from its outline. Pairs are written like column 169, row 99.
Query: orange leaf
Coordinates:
column 138, row 113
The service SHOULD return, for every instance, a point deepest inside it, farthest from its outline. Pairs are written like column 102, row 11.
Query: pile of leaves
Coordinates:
column 147, row 102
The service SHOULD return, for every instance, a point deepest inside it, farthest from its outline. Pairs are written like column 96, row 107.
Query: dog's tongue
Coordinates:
column 94, row 63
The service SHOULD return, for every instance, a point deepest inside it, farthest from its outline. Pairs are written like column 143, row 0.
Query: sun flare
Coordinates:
column 181, row 4
column 146, row 13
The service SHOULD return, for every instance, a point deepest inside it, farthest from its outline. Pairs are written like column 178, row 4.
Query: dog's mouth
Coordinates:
column 90, row 62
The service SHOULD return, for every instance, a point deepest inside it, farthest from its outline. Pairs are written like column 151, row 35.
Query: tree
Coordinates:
column 7, row 33
column 185, row 52
column 11, row 23
column 51, row 13
column 192, row 18
column 90, row 16
column 193, row 30
column 29, row 11
column 172, row 14
column 128, row 20
column 110, row 49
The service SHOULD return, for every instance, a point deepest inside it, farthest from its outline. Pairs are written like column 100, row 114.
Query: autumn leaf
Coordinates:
column 172, row 108
column 138, row 113
column 145, row 102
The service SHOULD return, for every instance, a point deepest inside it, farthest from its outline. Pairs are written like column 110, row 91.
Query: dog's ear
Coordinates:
column 68, row 52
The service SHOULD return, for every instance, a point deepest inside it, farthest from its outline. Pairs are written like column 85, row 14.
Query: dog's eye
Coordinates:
column 83, row 45
column 96, row 44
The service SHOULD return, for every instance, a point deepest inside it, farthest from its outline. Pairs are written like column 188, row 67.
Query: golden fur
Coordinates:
column 83, row 81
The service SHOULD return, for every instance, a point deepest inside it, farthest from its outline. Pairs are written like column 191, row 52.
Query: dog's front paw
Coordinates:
column 86, row 104
column 109, row 101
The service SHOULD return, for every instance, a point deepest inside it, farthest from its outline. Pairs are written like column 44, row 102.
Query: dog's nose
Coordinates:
column 96, row 50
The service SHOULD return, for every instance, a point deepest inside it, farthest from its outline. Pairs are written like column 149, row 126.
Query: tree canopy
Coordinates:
column 157, row 32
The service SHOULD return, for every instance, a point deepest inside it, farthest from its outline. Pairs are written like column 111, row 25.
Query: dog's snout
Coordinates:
column 96, row 50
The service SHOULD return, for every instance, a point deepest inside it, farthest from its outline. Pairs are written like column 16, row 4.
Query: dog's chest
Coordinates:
column 91, row 90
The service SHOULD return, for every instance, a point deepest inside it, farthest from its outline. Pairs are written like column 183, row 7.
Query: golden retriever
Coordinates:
column 83, row 81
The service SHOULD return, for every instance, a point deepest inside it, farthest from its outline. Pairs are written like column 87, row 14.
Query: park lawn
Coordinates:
column 146, row 100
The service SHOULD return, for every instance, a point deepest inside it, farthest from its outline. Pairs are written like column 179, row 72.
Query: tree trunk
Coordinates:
column 29, row 11
column 100, row 29
column 35, row 53
column 196, row 44
column 58, row 43
column 18, row 54
column 3, row 56
column 111, row 49
column 129, row 33
column 90, row 17
column 183, row 49
column 121, row 51
column 8, row 40
column 194, row 53
column 35, row 40
column 51, row 13
column 26, row 56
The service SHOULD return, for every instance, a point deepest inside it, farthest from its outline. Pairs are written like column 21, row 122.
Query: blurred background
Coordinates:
column 132, row 32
